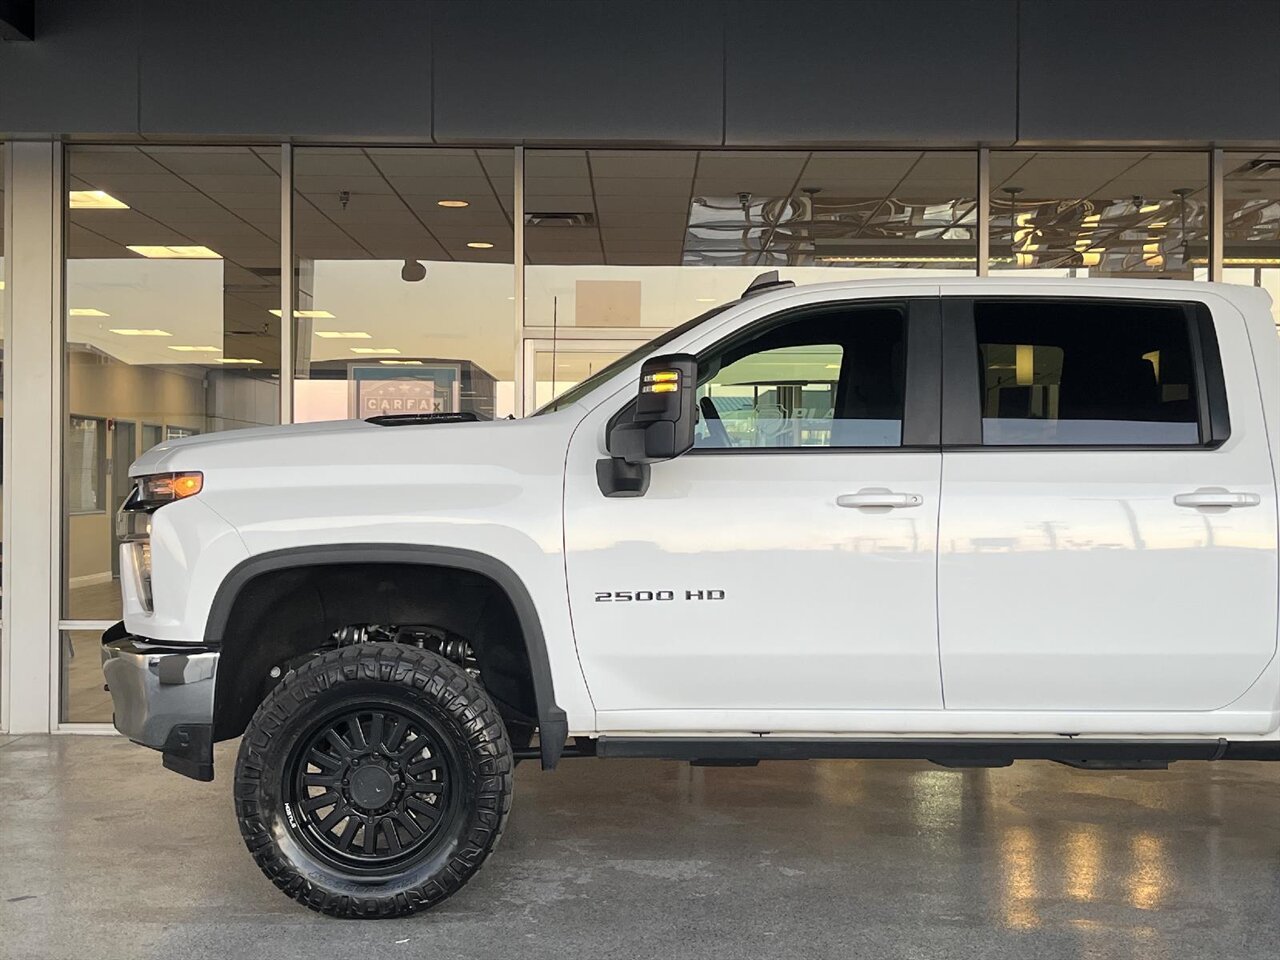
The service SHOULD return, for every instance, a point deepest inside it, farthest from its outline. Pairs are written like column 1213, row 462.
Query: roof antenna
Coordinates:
column 764, row 283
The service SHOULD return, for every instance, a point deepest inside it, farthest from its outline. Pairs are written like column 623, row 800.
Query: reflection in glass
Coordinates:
column 632, row 242
column 173, row 264
column 1251, row 230
column 1087, row 214
column 404, row 282
column 83, row 698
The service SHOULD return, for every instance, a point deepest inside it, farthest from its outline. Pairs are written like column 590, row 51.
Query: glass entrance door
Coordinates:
column 553, row 366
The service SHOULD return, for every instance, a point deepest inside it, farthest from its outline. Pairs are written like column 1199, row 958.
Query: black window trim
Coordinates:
column 922, row 380
column 962, row 391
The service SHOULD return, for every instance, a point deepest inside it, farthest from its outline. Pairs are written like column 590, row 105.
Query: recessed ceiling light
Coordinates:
column 86, row 312
column 95, row 200
column 343, row 334
column 453, row 204
column 402, row 363
column 174, row 252
column 704, row 299
column 374, row 350
column 185, row 348
column 480, row 245
column 1, row 284
column 234, row 360
column 132, row 332
column 305, row 314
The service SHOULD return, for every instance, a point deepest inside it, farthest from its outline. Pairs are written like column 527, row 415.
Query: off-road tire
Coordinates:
column 402, row 678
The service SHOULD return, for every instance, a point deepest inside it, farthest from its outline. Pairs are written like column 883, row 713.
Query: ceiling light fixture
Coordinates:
column 480, row 245
column 133, row 332
column 187, row 348
column 305, row 314
column 453, row 204
column 402, row 363
column 94, row 200
column 235, row 360
column 343, row 334
column 374, row 350
column 86, row 312
column 174, row 251
column 704, row 299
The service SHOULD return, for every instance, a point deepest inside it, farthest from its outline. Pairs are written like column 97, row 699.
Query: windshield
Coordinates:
column 580, row 390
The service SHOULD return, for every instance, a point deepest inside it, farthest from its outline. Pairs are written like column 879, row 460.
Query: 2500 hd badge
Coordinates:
column 630, row 596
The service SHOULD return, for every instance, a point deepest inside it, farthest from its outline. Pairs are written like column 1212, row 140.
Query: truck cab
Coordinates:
column 969, row 521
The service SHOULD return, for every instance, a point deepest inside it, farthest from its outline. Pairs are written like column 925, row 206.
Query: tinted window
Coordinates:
column 830, row 379
column 1088, row 373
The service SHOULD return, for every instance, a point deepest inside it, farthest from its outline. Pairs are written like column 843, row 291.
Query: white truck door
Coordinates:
column 1108, row 524
column 780, row 575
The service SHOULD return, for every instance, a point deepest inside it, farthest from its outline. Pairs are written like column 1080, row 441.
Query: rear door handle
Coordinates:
column 878, row 497
column 1216, row 497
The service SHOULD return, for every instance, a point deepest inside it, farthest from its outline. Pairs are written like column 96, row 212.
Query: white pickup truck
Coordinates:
column 967, row 521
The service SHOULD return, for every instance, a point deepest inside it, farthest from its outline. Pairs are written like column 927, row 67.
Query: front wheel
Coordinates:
column 373, row 781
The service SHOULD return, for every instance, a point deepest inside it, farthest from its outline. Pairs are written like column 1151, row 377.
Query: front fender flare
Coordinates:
column 553, row 725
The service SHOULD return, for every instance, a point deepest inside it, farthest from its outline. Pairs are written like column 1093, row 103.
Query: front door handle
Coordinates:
column 878, row 497
column 1216, row 497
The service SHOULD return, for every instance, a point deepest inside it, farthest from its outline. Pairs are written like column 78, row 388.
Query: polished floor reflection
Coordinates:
column 645, row 858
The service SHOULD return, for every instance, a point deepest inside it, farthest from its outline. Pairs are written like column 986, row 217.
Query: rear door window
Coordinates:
column 1088, row 373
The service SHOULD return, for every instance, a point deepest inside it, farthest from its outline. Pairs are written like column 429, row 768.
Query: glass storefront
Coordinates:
column 172, row 329
column 1100, row 214
column 402, row 278
column 622, row 244
column 1251, row 222
column 404, row 282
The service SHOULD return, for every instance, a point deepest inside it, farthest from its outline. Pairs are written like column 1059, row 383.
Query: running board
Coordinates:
column 958, row 752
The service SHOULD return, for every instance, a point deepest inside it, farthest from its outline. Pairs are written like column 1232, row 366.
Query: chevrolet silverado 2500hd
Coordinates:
column 966, row 521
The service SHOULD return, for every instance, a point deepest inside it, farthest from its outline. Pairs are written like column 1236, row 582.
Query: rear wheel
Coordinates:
column 373, row 781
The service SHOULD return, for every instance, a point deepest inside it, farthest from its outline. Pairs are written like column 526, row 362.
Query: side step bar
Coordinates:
column 1083, row 753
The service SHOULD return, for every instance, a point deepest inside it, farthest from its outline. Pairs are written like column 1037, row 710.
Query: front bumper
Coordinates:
column 163, row 697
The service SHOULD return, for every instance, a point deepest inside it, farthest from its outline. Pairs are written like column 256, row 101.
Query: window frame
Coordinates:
column 922, row 375
column 962, row 379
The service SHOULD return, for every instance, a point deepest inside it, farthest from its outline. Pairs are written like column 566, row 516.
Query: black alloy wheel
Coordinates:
column 369, row 786
column 373, row 781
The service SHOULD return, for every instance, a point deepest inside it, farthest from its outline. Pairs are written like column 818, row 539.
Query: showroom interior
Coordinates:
column 290, row 247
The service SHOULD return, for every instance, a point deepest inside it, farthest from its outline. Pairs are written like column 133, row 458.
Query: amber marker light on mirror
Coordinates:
column 662, row 381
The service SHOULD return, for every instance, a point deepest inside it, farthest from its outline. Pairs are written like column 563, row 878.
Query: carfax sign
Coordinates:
column 383, row 389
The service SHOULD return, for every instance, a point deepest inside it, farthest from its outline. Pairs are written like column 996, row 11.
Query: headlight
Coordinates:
column 157, row 489
column 142, row 564
column 133, row 522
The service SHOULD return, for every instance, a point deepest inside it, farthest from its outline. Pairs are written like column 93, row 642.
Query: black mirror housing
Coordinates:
column 660, row 429
column 666, row 412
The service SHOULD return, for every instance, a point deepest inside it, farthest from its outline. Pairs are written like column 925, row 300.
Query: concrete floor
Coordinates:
column 104, row 854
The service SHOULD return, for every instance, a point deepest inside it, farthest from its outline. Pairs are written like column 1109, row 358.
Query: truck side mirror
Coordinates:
column 661, row 428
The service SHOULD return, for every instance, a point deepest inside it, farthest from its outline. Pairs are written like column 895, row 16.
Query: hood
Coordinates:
column 342, row 442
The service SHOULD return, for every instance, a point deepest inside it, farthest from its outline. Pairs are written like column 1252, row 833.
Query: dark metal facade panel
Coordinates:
column 579, row 71
column 80, row 74
column 750, row 73
column 874, row 71
column 320, row 68
column 1150, row 70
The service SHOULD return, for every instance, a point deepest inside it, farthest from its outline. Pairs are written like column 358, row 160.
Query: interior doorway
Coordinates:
column 552, row 366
